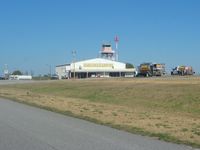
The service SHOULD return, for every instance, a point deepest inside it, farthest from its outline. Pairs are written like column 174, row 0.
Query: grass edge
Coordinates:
column 134, row 130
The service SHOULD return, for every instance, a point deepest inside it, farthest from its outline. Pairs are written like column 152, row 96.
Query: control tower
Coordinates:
column 107, row 52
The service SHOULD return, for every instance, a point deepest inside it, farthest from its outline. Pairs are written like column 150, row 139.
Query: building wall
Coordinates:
column 98, row 64
column 97, row 67
column 63, row 71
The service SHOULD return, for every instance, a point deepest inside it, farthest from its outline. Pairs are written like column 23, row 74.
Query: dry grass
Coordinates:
column 165, row 107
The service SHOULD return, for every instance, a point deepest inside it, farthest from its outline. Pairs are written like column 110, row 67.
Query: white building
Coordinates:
column 105, row 66
column 97, row 67
column 63, row 71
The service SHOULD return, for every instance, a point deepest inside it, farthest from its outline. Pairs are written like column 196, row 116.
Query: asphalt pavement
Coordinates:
column 7, row 82
column 24, row 127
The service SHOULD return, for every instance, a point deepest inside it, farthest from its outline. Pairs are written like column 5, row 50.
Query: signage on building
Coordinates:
column 97, row 65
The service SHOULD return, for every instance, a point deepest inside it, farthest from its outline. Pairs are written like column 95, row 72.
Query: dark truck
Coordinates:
column 151, row 69
column 2, row 78
column 182, row 70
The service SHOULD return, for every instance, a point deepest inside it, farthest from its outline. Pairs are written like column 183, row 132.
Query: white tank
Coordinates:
column 20, row 77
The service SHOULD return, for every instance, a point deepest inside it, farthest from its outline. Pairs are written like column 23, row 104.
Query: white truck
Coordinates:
column 182, row 70
column 20, row 77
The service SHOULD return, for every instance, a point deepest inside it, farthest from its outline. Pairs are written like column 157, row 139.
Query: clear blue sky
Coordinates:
column 35, row 34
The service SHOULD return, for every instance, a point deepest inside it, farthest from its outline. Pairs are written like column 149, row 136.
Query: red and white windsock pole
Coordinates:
column 116, row 42
column 116, row 47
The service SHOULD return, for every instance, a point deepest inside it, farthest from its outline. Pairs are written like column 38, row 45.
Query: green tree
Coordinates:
column 128, row 65
column 17, row 72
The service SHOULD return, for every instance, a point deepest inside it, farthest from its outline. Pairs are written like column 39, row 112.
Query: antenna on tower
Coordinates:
column 74, row 60
column 6, row 73
column 116, row 46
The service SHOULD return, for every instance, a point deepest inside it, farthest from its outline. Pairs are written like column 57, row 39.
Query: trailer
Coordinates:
column 151, row 69
column 20, row 77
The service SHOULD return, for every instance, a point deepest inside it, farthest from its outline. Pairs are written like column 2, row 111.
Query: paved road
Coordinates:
column 7, row 82
column 27, row 128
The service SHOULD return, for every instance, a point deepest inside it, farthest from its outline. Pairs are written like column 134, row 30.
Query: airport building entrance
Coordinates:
column 95, row 68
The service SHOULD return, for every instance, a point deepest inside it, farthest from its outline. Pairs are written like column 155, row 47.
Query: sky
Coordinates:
column 36, row 35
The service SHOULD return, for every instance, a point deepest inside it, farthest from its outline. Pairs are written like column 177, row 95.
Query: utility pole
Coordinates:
column 6, row 73
column 74, row 59
column 49, row 69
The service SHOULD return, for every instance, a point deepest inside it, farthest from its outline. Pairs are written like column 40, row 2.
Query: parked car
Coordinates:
column 2, row 78
column 54, row 77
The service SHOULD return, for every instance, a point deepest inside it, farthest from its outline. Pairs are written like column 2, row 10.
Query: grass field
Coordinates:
column 167, row 108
